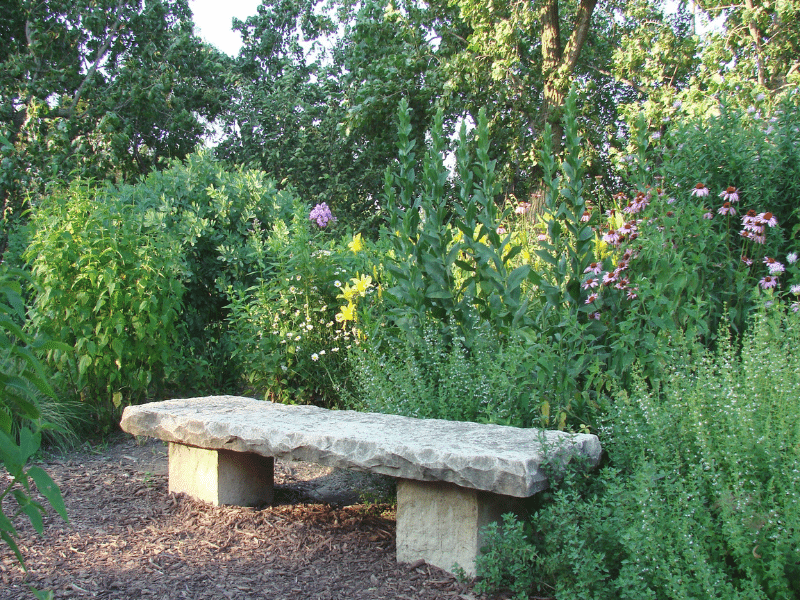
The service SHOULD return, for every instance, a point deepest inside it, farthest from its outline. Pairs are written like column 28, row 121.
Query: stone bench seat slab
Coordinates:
column 454, row 478
column 492, row 458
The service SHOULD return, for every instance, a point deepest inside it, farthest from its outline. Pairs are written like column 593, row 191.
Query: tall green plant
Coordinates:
column 450, row 262
column 110, row 291
column 21, row 377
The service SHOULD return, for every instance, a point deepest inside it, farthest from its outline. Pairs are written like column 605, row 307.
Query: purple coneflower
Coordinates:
column 592, row 282
column 773, row 265
column 700, row 190
column 592, row 297
column 595, row 267
column 731, row 194
column 767, row 218
column 727, row 209
column 768, row 282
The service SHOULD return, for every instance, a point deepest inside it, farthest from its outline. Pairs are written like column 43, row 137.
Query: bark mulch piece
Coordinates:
column 129, row 538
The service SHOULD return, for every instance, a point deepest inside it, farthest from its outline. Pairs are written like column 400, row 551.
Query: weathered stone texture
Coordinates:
column 493, row 458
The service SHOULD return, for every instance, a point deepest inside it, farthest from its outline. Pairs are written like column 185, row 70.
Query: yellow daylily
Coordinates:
column 357, row 245
column 362, row 284
column 348, row 313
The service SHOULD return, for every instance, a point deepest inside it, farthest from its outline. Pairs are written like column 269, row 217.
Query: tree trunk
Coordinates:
column 559, row 61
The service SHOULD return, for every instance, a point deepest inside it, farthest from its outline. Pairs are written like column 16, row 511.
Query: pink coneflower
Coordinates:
column 595, row 267
column 501, row 231
column 612, row 237
column 586, row 216
column 622, row 284
column 522, row 208
column 542, row 237
column 700, row 190
column 596, row 315
column 632, row 294
column 773, row 265
column 745, row 260
column 727, row 209
column 592, row 282
column 768, row 218
column 768, row 282
column 708, row 215
column 731, row 194
column 609, row 278
column 592, row 297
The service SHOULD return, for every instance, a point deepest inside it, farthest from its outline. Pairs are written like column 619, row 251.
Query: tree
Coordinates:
column 100, row 88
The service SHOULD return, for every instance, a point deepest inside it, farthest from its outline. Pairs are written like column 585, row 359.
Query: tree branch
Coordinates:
column 101, row 52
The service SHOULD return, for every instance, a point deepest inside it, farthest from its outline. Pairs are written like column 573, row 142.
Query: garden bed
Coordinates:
column 129, row 538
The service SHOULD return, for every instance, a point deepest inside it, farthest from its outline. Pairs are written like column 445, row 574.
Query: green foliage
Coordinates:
column 450, row 263
column 421, row 374
column 100, row 89
column 21, row 376
column 95, row 271
column 294, row 327
column 698, row 499
column 216, row 220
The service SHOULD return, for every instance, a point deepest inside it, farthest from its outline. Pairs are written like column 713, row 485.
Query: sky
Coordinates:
column 212, row 20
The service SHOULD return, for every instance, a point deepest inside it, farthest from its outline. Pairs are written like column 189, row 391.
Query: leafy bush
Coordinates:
column 699, row 498
column 108, row 290
column 756, row 150
column 216, row 218
column 22, row 376
column 293, row 328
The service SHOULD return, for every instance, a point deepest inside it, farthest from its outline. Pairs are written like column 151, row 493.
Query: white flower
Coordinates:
column 315, row 357
column 337, row 283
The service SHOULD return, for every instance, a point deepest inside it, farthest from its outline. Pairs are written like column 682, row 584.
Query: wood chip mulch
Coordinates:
column 129, row 538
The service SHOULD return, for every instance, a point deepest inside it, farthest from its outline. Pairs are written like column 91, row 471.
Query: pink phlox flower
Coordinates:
column 595, row 267
column 321, row 214
column 592, row 297
column 767, row 218
column 731, row 194
column 791, row 258
column 700, row 190
column 768, row 282
column 773, row 265
column 592, row 282
column 726, row 209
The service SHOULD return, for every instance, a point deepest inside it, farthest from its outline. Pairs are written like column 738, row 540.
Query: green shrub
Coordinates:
column 110, row 291
column 217, row 219
column 294, row 327
column 699, row 497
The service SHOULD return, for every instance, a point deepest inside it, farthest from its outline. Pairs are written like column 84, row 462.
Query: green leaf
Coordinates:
column 49, row 490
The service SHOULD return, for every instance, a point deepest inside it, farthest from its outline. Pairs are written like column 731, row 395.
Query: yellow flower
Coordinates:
column 348, row 313
column 348, row 293
column 357, row 244
column 362, row 284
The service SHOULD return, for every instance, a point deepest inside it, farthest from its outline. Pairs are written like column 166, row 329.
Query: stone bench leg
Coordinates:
column 440, row 522
column 221, row 476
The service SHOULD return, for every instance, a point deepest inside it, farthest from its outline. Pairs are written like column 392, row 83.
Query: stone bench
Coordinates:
column 452, row 477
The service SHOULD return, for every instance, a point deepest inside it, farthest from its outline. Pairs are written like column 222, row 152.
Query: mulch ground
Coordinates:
column 129, row 538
